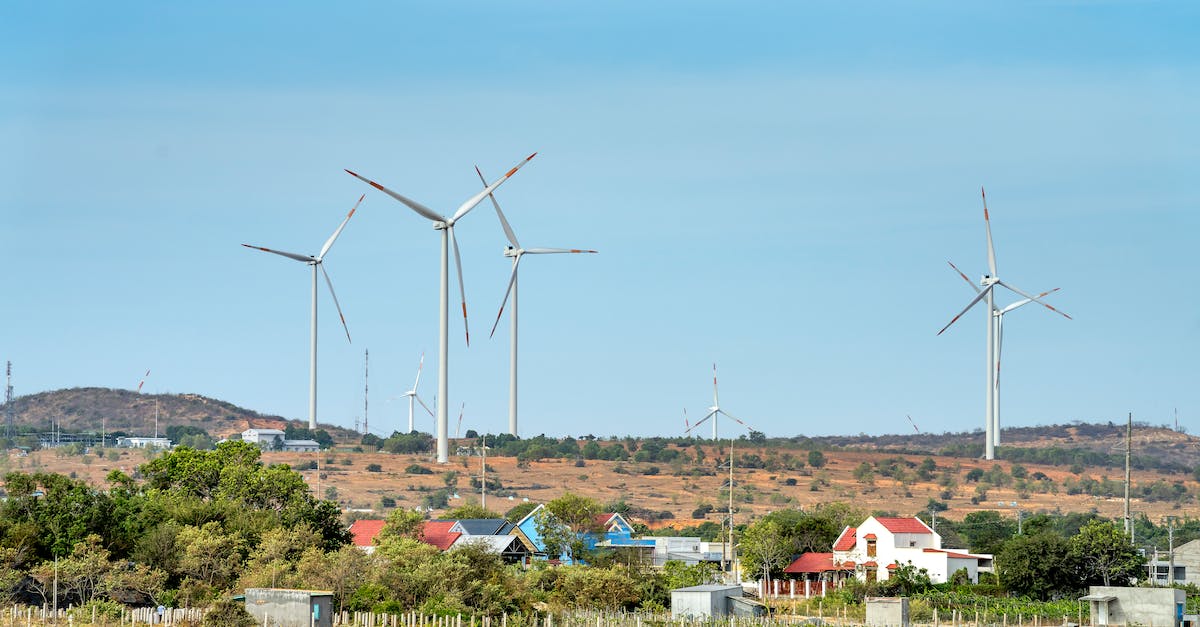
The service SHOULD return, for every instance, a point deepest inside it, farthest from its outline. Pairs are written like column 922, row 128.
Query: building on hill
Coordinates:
column 274, row 440
column 136, row 442
column 873, row 550
column 1186, row 561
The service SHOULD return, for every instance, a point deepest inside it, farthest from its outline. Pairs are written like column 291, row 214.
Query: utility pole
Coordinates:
column 1170, row 550
column 1128, row 460
column 732, row 551
column 933, row 518
column 483, row 475
column 1020, row 519
column 8, row 407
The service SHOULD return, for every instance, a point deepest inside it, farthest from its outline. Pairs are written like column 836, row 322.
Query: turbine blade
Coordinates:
column 736, row 419
column 1026, row 301
column 420, row 364
column 430, row 411
column 999, row 348
column 458, row 429
column 1035, row 299
column 700, row 422
column 964, row 277
column 461, row 289
column 988, row 223
column 412, row 204
column 549, row 251
column 304, row 258
column 511, row 281
column 978, row 297
column 335, row 300
column 508, row 232
column 715, row 403
column 332, row 238
column 487, row 191
column 686, row 424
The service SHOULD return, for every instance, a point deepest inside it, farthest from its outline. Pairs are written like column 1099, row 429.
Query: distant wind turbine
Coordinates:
column 994, row 316
column 412, row 396
column 317, row 262
column 446, row 226
column 714, row 410
column 516, row 252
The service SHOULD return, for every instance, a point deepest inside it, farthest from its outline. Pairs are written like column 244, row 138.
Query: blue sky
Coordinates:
column 772, row 186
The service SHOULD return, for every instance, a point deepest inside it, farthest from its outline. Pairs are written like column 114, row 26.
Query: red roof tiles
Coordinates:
column 437, row 533
column 904, row 525
column 811, row 563
column 364, row 531
column 954, row 554
column 846, row 541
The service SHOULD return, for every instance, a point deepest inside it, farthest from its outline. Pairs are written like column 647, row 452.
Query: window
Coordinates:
column 870, row 548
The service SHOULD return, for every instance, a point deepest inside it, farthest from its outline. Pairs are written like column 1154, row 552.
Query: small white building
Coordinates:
column 878, row 546
column 300, row 446
column 136, row 442
column 269, row 439
column 709, row 601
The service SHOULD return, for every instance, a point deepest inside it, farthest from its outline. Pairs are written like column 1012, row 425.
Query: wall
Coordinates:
column 1145, row 606
column 289, row 608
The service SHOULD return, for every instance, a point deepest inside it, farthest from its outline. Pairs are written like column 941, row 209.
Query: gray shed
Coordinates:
column 1115, row 605
column 290, row 608
column 707, row 601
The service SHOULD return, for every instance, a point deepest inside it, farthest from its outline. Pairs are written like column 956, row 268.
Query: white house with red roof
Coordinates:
column 878, row 546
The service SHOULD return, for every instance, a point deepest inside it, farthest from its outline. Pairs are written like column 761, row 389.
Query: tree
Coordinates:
column 766, row 548
column 519, row 511
column 816, row 459
column 986, row 531
column 1038, row 565
column 1105, row 556
column 469, row 511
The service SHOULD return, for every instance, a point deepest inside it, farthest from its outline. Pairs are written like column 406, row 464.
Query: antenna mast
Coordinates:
column 8, row 407
column 366, row 387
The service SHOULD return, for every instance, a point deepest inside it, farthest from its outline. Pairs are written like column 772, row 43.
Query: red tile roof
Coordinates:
column 846, row 541
column 437, row 533
column 904, row 525
column 602, row 520
column 892, row 566
column 869, row 536
column 811, row 563
column 364, row 531
column 871, row 564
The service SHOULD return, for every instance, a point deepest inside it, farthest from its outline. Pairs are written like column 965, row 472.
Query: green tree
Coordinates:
column 1038, row 566
column 816, row 459
column 519, row 511
column 986, row 531
column 468, row 511
column 1105, row 555
column 766, row 548
column 402, row 523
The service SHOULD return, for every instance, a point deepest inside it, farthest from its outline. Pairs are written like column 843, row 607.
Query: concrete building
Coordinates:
column 137, row 442
column 290, row 608
column 1112, row 605
column 703, row 602
column 1186, row 560
column 265, row 438
column 887, row 612
column 300, row 446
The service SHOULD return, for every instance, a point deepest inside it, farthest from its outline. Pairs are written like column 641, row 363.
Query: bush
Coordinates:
column 228, row 613
column 374, row 468
column 416, row 469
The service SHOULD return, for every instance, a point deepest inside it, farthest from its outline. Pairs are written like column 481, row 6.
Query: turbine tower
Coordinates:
column 446, row 226
column 994, row 317
column 412, row 396
column 713, row 411
column 515, row 252
column 317, row 262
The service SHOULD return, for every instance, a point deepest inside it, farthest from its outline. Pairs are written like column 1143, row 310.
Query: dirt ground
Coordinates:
column 757, row 493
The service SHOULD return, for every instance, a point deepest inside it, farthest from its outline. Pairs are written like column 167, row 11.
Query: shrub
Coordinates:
column 414, row 469
column 374, row 468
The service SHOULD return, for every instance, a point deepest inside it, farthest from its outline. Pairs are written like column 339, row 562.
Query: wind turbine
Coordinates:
column 317, row 262
column 994, row 316
column 516, row 252
column 713, row 411
column 446, row 226
column 412, row 396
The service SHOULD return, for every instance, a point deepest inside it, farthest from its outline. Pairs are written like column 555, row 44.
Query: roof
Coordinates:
column 364, row 531
column 481, row 526
column 711, row 587
column 601, row 520
column 904, row 525
column 871, row 564
column 846, row 541
column 811, row 563
column 870, row 536
column 437, row 533
column 495, row 544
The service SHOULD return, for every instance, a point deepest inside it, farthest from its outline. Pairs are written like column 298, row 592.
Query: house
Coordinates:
column 873, row 550
column 363, row 533
column 880, row 545
column 439, row 533
column 610, row 531
column 687, row 549
column 300, row 446
column 1186, row 560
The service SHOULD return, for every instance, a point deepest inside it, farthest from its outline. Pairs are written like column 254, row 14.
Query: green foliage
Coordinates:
column 1105, row 556
column 986, row 531
column 519, row 511
column 816, row 459
column 468, row 511
column 1039, row 566
column 414, row 469
column 228, row 613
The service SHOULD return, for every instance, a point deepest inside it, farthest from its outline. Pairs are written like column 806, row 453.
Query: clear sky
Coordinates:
column 773, row 186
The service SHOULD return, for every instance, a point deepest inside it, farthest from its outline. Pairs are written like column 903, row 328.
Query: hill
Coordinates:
column 93, row 409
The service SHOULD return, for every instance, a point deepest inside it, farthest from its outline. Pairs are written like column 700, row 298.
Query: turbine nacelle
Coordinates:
column 510, row 251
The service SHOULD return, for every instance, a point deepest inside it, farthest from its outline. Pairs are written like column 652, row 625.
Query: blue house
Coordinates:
column 611, row 531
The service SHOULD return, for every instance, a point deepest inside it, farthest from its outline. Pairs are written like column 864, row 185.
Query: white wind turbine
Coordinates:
column 446, row 226
column 317, row 262
column 516, row 252
column 995, row 317
column 713, row 411
column 412, row 396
